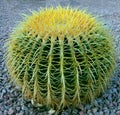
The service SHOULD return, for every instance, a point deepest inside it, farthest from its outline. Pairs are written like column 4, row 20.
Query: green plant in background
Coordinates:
column 60, row 57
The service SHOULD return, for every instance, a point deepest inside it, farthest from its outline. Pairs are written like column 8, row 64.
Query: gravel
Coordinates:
column 11, row 102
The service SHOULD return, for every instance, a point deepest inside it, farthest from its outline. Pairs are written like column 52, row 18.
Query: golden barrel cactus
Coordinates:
column 60, row 57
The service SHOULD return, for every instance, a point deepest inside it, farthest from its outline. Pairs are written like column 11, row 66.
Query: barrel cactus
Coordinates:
column 60, row 57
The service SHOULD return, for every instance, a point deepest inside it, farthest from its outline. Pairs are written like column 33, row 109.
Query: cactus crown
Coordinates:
column 60, row 57
column 59, row 22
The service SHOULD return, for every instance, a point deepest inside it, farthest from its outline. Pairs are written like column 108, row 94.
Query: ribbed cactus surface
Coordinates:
column 60, row 57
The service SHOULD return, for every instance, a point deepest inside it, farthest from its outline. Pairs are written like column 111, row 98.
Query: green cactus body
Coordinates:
column 60, row 57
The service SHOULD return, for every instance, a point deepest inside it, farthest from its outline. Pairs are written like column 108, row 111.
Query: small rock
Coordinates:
column 94, row 110
column 2, row 108
column 18, row 108
column 80, row 107
column 90, row 114
column 5, row 70
column 4, row 91
column 117, row 29
column 5, row 112
column 21, row 113
column 69, row 110
column 106, row 112
column 1, row 100
column 87, row 107
column 97, row 113
column 96, row 103
column 110, row 98
column 64, row 113
column 81, row 113
column 74, row 112
column 24, row 108
column 0, row 53
column 89, row 111
column 101, row 113
column 111, row 105
column 115, row 103
column 119, row 100
column 107, row 102
column 99, row 101
column 105, row 108
column 1, row 113
column 51, row 111
column 31, row 111
column 114, row 90
column 118, row 107
column 11, row 111
column 118, row 112
column 114, row 110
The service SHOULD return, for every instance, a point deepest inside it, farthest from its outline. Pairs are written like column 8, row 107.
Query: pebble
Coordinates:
column 1, row 54
column 118, row 37
column 97, row 113
column 11, row 111
column 18, row 108
column 64, row 113
column 96, row 103
column 20, row 113
column 81, row 113
column 105, row 108
column 4, row 91
column 89, row 111
column 88, row 107
column 51, row 111
column 94, row 110
column 1, row 100
column 90, row 114
column 5, row 112
column 107, row 102
column 117, row 29
column 106, row 112
column 2, row 108
column 112, row 113
column 101, row 113
column 24, row 107
column 118, row 112
column 110, row 98
column 111, row 105
column 118, row 107
column 74, row 112
column 1, row 113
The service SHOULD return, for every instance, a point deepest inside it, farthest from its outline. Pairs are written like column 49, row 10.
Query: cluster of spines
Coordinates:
column 59, row 71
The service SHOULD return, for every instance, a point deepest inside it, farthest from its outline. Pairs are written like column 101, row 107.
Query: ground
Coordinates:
column 106, row 11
